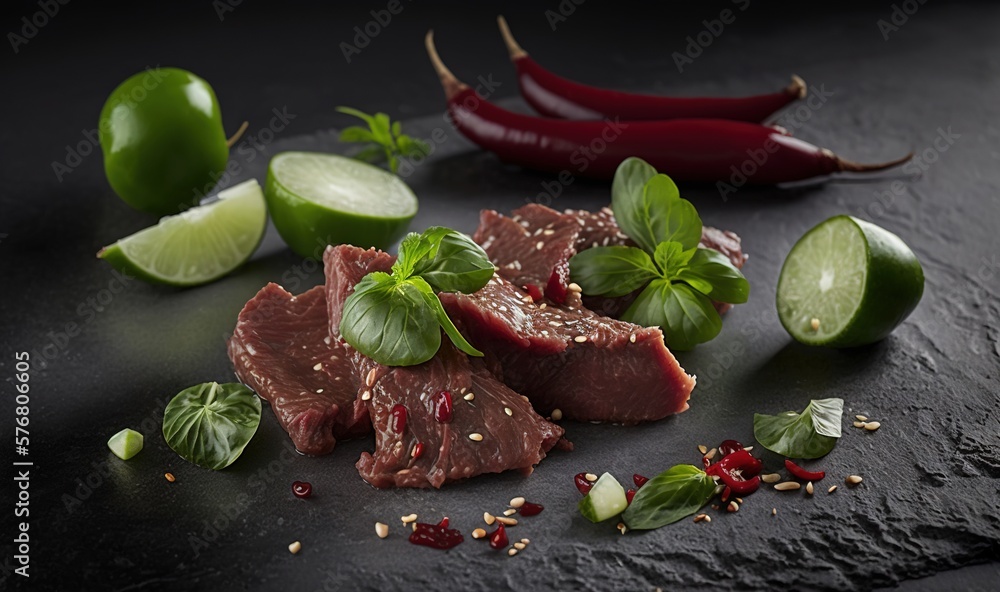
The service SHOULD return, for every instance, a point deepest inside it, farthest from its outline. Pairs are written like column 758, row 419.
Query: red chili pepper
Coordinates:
column 800, row 473
column 554, row 96
column 629, row 495
column 738, row 470
column 639, row 480
column 698, row 150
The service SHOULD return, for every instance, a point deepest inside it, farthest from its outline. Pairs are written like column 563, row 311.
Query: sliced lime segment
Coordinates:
column 320, row 199
column 606, row 499
column 847, row 282
column 199, row 245
column 126, row 443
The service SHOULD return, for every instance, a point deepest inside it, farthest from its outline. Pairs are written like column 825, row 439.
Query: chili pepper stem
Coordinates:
column 239, row 134
column 513, row 48
column 798, row 87
column 857, row 167
column 452, row 86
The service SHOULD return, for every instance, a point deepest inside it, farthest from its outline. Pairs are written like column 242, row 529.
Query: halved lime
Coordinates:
column 846, row 283
column 320, row 199
column 199, row 245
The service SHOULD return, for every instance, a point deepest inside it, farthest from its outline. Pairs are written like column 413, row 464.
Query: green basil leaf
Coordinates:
column 359, row 114
column 810, row 434
column 455, row 263
column 712, row 274
column 611, row 271
column 685, row 315
column 649, row 208
column 647, row 308
column 397, row 129
column 627, row 200
column 668, row 497
column 356, row 133
column 210, row 424
column 415, row 248
column 671, row 258
column 389, row 321
column 413, row 147
column 443, row 319
column 381, row 129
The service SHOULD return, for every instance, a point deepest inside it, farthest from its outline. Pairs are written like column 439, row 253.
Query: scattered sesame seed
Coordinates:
column 814, row 324
column 774, row 511
column 733, row 507
column 295, row 547
column 512, row 551
column 859, row 424
column 366, row 395
column 469, row 397
column 631, row 338
column 540, row 245
column 517, row 502
column 590, row 477
column 519, row 546
column 319, row 391
column 711, row 453
column 542, row 306
column 708, row 518
column 739, row 500
column 409, row 518
column 476, row 437
column 508, row 411
column 525, row 541
column 832, row 489
column 489, row 519
column 506, row 521
column 169, row 477
column 702, row 449
column 509, row 512
column 371, row 377
column 622, row 528
column 809, row 488
column 871, row 426
column 861, row 417
column 748, row 448
column 787, row 486
column 700, row 517
column 580, row 338
column 318, row 366
column 557, row 414
column 382, row 530
column 854, row 480
column 478, row 533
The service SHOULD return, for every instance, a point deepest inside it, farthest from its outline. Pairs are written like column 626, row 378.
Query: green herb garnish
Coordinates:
column 210, row 424
column 668, row 497
column 386, row 140
column 681, row 279
column 396, row 319
column 810, row 434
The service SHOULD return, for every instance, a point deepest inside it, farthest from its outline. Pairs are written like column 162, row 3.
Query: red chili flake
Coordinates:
column 729, row 447
column 726, row 493
column 639, row 480
column 442, row 407
column 534, row 291
column 800, row 473
column 530, row 509
column 444, row 522
column 498, row 538
column 302, row 489
column 580, row 479
column 629, row 495
column 397, row 422
column 738, row 470
column 435, row 536
column 418, row 449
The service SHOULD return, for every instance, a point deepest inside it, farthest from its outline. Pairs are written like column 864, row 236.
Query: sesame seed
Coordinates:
column 409, row 518
column 506, row 521
column 711, row 453
column 739, row 500
column 489, row 519
column 517, row 502
column 541, row 306
column 622, row 528
column 557, row 414
column 859, row 424
column 555, row 324
column 575, row 287
column 814, row 324
column 512, row 551
column 832, row 489
column 733, row 507
column 509, row 512
column 478, row 533
column 548, row 232
column 748, row 448
column 871, row 426
column 809, row 488
column 525, row 541
column 295, row 547
column 702, row 449
column 382, row 530
column 861, row 417
column 580, row 338
column 708, row 518
column 631, row 338
column 476, row 437
column 774, row 511
column 366, row 395
column 787, row 486
column 169, row 477
column 700, row 517
column 590, row 477
column 853, row 480
column 508, row 411
column 318, row 366
column 469, row 397
column 540, row 245
column 414, row 525
column 519, row 546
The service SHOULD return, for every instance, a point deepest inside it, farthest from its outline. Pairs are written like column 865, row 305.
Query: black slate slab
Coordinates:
column 928, row 503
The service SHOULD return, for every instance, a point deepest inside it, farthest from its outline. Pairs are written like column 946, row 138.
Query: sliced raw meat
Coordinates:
column 282, row 349
column 419, row 443
column 590, row 367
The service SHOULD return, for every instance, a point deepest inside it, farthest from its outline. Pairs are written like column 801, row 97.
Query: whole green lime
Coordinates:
column 162, row 139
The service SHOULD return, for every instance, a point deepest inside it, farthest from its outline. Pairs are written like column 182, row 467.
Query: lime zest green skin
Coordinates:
column 162, row 138
column 126, row 443
column 308, row 227
column 892, row 287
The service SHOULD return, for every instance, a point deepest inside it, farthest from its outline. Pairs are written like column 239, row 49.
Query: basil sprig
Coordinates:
column 668, row 497
column 681, row 279
column 810, row 434
column 396, row 319
column 385, row 140
column 210, row 424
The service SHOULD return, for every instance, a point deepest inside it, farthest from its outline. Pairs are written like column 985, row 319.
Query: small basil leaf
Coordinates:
column 359, row 114
column 373, row 154
column 671, row 258
column 397, row 129
column 611, row 271
column 627, row 200
column 443, row 319
column 389, row 321
column 380, row 129
column 456, row 264
column 210, row 424
column 415, row 248
column 356, row 133
column 668, row 497
column 811, row 434
column 690, row 317
column 670, row 217
column 647, row 309
column 715, row 277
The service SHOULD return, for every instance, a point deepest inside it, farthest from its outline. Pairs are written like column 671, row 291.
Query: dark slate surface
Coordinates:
column 928, row 503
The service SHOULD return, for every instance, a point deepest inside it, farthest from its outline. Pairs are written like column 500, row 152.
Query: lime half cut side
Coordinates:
column 847, row 283
column 196, row 246
column 318, row 199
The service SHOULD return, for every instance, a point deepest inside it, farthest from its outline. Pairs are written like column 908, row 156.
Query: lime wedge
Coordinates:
column 846, row 283
column 126, row 443
column 196, row 246
column 606, row 499
column 319, row 199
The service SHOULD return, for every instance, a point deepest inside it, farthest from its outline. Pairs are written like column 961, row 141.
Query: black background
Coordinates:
column 928, row 505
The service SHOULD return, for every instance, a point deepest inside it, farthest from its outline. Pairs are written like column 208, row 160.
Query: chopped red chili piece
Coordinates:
column 738, row 471
column 800, row 473
column 639, row 480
